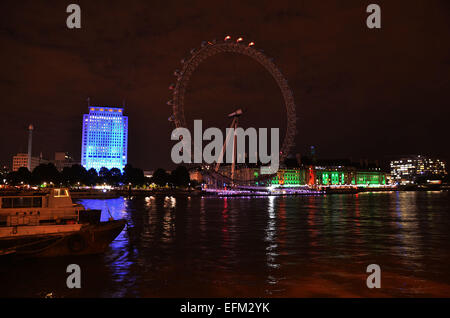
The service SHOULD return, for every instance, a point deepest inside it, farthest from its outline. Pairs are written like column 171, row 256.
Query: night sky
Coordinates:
column 360, row 93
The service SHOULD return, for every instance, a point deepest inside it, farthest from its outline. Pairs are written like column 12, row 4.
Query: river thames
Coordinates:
column 293, row 246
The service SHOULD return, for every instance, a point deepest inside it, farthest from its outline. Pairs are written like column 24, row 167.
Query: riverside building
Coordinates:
column 417, row 169
column 105, row 138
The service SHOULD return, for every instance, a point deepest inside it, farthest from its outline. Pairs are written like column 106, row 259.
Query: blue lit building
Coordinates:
column 105, row 138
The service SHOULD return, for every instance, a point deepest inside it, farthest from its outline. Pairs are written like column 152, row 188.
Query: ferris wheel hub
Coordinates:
column 236, row 113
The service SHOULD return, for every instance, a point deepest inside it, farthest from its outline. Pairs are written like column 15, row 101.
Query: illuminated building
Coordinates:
column 417, row 169
column 196, row 175
column 21, row 160
column 329, row 176
column 330, row 173
column 148, row 173
column 303, row 172
column 105, row 138
column 290, row 177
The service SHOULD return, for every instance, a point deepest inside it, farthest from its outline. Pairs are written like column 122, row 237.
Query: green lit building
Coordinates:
column 329, row 176
column 290, row 177
column 350, row 177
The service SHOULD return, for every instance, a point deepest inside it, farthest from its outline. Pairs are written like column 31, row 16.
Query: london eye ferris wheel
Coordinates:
column 238, row 46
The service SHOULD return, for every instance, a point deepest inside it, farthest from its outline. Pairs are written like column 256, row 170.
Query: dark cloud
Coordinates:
column 360, row 92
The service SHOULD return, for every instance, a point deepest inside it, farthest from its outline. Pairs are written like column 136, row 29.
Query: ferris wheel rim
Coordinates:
column 211, row 48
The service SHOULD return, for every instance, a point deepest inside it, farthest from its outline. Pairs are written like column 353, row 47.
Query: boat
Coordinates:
column 50, row 224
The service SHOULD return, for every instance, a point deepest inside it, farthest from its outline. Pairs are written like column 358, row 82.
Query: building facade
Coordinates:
column 63, row 160
column 21, row 160
column 305, row 175
column 105, row 138
column 329, row 176
column 417, row 169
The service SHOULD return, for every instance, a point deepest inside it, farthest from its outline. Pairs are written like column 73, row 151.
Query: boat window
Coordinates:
column 61, row 193
column 23, row 202
column 37, row 202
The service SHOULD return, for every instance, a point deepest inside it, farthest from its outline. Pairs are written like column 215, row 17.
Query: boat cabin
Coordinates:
column 35, row 208
column 57, row 198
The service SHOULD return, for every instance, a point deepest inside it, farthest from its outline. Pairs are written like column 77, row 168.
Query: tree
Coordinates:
column 160, row 177
column 73, row 175
column 3, row 173
column 180, row 177
column 104, row 175
column 91, row 177
column 115, row 176
column 132, row 175
column 12, row 178
column 46, row 173
column 23, row 175
column 66, row 176
column 78, row 173
column 138, row 176
column 127, row 173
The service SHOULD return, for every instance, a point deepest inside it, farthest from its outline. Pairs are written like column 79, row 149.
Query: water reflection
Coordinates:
column 266, row 246
column 312, row 227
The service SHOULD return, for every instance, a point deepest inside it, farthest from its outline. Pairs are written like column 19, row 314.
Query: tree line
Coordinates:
column 77, row 175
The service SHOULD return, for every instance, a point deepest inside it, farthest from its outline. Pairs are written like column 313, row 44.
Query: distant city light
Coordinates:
column 408, row 170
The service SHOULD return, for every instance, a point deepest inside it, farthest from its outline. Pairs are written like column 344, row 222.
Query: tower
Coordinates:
column 30, row 144
column 105, row 138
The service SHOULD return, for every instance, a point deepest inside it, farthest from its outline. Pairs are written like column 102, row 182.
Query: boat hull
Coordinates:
column 90, row 239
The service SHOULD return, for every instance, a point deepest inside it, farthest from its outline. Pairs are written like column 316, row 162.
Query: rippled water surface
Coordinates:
column 298, row 246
